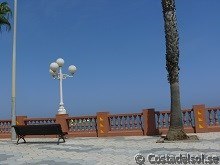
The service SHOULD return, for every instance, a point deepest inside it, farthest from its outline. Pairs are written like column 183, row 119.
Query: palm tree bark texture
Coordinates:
column 176, row 131
column 5, row 13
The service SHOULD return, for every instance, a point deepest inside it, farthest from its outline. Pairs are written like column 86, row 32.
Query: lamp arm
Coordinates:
column 66, row 75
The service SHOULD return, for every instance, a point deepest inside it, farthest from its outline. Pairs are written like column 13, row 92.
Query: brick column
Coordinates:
column 200, row 118
column 103, row 124
column 61, row 119
column 20, row 120
column 149, row 122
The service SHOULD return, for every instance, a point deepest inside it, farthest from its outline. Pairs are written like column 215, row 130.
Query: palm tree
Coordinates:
column 175, row 131
column 5, row 12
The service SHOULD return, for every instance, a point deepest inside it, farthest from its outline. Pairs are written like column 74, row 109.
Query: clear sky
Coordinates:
column 118, row 47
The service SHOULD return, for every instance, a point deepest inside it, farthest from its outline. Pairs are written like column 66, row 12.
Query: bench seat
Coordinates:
column 43, row 129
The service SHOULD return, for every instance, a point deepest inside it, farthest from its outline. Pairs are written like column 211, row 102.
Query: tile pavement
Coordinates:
column 100, row 151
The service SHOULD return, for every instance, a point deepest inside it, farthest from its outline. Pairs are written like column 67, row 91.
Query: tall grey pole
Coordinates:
column 13, row 114
column 61, row 107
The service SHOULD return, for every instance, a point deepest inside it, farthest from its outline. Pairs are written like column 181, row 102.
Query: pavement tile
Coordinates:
column 100, row 151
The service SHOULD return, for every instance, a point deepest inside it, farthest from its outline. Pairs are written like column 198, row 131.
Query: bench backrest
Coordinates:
column 48, row 129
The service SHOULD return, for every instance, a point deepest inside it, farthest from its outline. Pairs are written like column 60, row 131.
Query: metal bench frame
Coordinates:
column 43, row 129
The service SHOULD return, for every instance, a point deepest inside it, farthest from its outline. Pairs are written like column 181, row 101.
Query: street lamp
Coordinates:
column 56, row 72
column 13, row 86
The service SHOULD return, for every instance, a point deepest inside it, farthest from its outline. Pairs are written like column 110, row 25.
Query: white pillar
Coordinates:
column 13, row 114
column 61, row 107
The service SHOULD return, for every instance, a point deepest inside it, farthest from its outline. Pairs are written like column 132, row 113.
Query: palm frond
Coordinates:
column 5, row 13
column 5, row 22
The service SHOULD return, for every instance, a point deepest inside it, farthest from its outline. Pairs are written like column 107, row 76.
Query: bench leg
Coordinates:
column 60, row 137
column 20, row 137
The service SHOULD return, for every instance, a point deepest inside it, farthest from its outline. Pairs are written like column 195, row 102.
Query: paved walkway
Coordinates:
column 101, row 151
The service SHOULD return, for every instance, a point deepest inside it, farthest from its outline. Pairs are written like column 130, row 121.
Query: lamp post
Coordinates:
column 56, row 72
column 13, row 90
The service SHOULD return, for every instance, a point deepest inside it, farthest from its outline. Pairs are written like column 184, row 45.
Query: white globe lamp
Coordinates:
column 60, row 62
column 52, row 72
column 54, row 66
column 72, row 69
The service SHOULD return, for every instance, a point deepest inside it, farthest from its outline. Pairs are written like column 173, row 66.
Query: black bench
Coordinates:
column 47, row 129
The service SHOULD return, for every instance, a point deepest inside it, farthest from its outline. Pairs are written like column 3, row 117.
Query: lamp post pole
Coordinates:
column 61, row 107
column 60, row 76
column 13, row 113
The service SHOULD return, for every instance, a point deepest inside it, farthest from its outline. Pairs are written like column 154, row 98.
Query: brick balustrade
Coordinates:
column 149, row 122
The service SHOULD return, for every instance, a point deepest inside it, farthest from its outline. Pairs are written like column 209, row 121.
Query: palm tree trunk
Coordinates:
column 175, row 131
column 176, row 115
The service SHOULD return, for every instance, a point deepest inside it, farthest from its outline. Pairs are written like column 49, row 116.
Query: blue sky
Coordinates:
column 118, row 47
